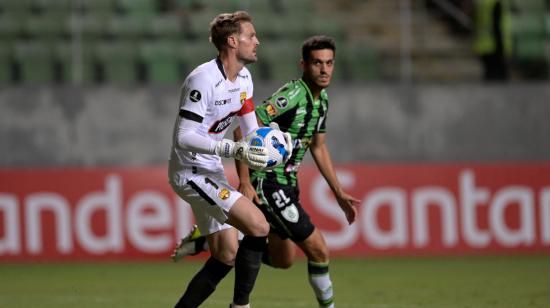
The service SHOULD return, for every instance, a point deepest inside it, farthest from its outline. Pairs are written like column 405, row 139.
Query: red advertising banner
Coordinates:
column 405, row 209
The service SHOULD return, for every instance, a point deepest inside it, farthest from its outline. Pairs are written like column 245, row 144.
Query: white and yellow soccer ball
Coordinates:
column 275, row 142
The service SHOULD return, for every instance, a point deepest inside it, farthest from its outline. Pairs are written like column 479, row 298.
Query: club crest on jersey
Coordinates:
column 243, row 97
column 195, row 96
column 281, row 102
column 224, row 194
column 291, row 213
column 220, row 125
column 271, row 110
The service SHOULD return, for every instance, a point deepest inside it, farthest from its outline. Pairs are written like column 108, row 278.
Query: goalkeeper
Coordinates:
column 300, row 108
column 211, row 97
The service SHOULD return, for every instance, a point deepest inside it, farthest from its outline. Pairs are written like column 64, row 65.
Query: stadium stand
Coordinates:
column 92, row 26
column 97, row 7
column 12, row 25
column 531, row 38
column 367, row 32
column 137, row 7
column 35, row 60
column 5, row 63
column 124, row 27
column 282, row 59
column 161, row 61
column 50, row 25
column 195, row 52
column 357, row 61
column 51, row 6
column 16, row 6
column 169, row 26
column 107, row 28
column 83, row 69
column 118, row 62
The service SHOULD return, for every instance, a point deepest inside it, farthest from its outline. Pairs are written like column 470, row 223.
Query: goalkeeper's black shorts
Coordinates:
column 282, row 209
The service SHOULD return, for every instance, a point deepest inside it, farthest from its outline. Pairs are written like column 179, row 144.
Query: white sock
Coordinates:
column 319, row 279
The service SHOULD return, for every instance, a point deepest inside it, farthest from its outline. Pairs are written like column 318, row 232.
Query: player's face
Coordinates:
column 318, row 69
column 247, row 43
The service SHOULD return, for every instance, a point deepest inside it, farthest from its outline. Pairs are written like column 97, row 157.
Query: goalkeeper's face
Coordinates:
column 318, row 68
column 247, row 43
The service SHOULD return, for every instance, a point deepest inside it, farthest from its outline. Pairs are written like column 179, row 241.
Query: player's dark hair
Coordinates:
column 317, row 42
column 225, row 25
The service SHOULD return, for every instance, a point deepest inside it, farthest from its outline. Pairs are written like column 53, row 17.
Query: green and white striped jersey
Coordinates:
column 293, row 108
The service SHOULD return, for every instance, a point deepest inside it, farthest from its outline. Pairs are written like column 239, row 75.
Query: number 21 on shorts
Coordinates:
column 280, row 198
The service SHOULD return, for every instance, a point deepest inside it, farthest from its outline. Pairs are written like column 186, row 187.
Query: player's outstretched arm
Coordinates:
column 322, row 158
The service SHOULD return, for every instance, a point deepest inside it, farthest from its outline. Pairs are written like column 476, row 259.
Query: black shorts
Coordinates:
column 282, row 209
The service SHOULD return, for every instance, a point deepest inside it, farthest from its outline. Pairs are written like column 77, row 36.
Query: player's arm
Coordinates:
column 195, row 98
column 321, row 155
column 190, row 140
column 187, row 136
column 248, row 123
column 245, row 186
column 193, row 108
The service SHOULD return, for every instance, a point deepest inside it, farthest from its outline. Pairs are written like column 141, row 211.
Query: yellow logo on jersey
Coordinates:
column 271, row 110
column 243, row 97
column 224, row 194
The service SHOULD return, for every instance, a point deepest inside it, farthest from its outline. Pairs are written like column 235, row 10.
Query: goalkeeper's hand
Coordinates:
column 254, row 156
column 288, row 139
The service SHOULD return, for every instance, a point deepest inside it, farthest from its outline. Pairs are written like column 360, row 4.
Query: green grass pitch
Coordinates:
column 504, row 281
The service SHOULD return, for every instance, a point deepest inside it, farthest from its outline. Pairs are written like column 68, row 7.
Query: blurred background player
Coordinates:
column 300, row 108
column 212, row 95
column 493, row 39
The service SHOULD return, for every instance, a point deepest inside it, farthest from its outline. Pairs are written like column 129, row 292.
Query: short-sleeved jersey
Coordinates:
column 296, row 112
column 212, row 100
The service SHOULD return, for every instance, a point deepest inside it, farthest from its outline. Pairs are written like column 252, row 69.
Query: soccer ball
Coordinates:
column 274, row 141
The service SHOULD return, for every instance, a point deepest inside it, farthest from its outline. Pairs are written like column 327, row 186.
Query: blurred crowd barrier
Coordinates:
column 44, row 126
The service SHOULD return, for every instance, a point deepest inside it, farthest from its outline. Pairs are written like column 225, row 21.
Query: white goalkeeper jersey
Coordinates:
column 209, row 98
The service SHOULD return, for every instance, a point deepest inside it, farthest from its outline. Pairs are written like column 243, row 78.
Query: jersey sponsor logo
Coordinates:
column 220, row 125
column 281, row 102
column 224, row 193
column 293, row 93
column 222, row 102
column 271, row 110
column 195, row 96
column 243, row 97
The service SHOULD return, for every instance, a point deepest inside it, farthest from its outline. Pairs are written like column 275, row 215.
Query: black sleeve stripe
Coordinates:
column 190, row 116
column 201, row 192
